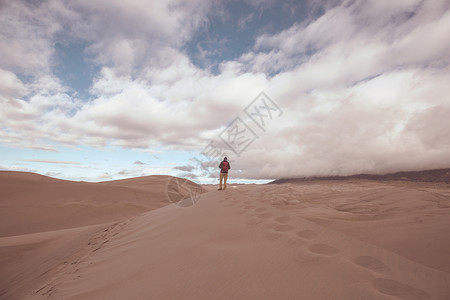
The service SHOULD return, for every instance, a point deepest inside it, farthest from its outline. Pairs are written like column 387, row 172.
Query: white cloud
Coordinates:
column 105, row 175
column 396, row 121
column 53, row 161
column 11, row 87
column 27, row 29
column 351, row 104
column 365, row 38
column 364, row 88
column 130, row 36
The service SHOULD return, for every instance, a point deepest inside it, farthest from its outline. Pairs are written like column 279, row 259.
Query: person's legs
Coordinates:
column 221, row 178
column 225, row 177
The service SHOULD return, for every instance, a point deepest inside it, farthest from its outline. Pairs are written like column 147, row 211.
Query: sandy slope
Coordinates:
column 33, row 207
column 411, row 219
column 35, row 203
column 306, row 241
column 28, row 260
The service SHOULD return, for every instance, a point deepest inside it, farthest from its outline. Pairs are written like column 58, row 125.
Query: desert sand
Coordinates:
column 35, row 203
column 349, row 239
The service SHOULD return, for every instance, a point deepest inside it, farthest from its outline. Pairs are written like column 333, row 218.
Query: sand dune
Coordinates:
column 316, row 240
column 35, row 203
column 28, row 260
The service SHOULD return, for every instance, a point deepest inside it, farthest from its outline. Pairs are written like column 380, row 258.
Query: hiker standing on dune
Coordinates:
column 224, row 167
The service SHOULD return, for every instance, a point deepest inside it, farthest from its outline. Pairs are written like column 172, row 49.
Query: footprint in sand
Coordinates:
column 307, row 234
column 307, row 257
column 264, row 215
column 283, row 228
column 254, row 221
column 261, row 209
column 323, row 249
column 397, row 289
column 371, row 263
column 283, row 219
column 272, row 235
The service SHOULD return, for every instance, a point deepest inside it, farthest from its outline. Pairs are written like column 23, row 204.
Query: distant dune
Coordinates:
column 34, row 203
column 438, row 175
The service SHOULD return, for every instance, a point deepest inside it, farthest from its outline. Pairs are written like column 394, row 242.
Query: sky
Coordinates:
column 102, row 90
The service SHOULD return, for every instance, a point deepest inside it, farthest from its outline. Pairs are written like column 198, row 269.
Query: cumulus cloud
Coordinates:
column 351, row 103
column 128, row 39
column 11, row 87
column 355, row 41
column 129, row 36
column 25, row 37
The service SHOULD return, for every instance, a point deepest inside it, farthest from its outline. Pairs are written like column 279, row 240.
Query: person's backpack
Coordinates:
column 225, row 166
